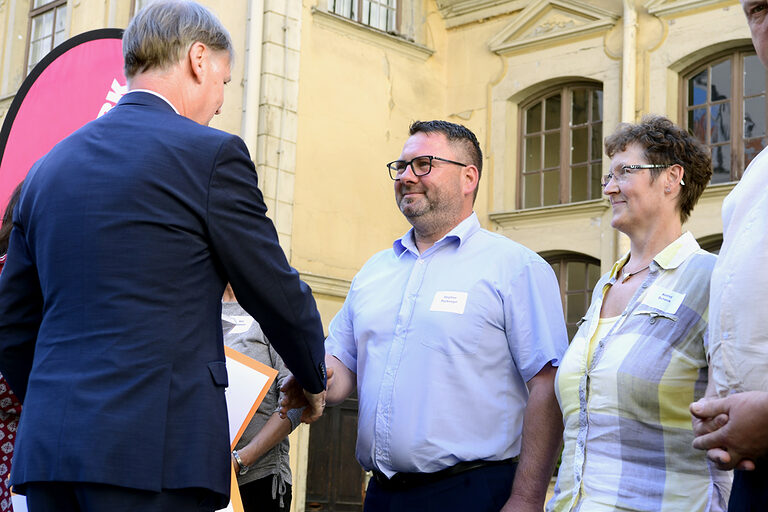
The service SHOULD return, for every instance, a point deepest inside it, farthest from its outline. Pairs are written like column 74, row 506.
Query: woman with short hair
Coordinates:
column 639, row 357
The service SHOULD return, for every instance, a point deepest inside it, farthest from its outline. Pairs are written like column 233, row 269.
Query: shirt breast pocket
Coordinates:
column 455, row 334
column 461, row 320
column 654, row 315
column 654, row 322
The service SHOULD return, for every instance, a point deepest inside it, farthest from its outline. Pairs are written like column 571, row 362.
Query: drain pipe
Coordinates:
column 252, row 92
column 629, row 63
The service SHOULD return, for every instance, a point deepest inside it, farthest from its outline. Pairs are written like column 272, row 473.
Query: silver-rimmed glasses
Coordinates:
column 420, row 166
column 620, row 173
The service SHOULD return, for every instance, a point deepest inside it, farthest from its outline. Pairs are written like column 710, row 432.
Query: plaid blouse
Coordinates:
column 628, row 430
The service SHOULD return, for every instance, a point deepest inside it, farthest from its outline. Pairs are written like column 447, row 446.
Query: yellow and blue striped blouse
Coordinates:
column 625, row 397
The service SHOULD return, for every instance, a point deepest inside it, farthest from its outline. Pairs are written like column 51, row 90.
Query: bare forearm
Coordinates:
column 273, row 432
column 542, row 435
column 342, row 382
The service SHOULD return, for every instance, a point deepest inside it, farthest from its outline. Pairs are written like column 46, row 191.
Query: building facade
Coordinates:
column 323, row 92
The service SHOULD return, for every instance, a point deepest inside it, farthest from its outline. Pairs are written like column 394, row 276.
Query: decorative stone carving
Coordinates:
column 549, row 20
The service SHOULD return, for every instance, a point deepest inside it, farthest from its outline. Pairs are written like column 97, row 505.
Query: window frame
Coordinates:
column 736, row 146
column 52, row 5
column 358, row 18
column 562, row 259
column 566, row 98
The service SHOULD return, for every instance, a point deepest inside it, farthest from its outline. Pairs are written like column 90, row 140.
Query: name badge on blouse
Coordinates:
column 449, row 302
column 663, row 299
column 242, row 323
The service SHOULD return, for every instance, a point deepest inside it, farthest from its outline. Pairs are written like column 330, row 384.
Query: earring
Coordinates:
column 682, row 182
column 667, row 190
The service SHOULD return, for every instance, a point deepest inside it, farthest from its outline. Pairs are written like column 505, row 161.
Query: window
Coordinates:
column 724, row 107
column 577, row 275
column 381, row 14
column 562, row 143
column 47, row 21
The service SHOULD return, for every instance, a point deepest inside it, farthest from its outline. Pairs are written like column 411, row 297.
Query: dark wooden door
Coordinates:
column 335, row 480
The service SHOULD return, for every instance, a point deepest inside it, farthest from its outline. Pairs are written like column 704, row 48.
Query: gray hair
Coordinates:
column 160, row 34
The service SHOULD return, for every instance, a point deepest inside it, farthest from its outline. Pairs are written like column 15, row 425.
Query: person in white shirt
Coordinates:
column 734, row 427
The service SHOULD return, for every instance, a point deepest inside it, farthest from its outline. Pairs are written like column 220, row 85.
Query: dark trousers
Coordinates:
column 90, row 497
column 257, row 496
column 750, row 489
column 484, row 489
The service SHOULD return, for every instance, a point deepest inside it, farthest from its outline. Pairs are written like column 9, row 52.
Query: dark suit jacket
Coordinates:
column 123, row 240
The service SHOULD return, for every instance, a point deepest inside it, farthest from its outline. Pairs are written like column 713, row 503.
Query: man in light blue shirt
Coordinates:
column 452, row 338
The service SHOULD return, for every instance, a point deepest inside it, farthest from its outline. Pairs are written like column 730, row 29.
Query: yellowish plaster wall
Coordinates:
column 358, row 92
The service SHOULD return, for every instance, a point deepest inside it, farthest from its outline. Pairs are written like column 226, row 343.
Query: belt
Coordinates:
column 404, row 481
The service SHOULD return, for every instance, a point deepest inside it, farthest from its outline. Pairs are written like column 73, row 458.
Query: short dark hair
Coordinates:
column 664, row 142
column 160, row 33
column 7, row 225
column 456, row 134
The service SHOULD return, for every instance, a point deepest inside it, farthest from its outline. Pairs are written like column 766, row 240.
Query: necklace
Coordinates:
column 626, row 275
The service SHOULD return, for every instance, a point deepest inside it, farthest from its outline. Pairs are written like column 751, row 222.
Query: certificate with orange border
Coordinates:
column 248, row 378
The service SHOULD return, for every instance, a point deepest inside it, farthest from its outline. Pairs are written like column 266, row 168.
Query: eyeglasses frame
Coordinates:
column 606, row 178
column 410, row 163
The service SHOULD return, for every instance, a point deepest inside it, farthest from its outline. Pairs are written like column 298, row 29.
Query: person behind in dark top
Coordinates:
column 10, row 406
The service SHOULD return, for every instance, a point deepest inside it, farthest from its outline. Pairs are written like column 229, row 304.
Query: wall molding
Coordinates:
column 670, row 7
column 326, row 285
column 462, row 12
column 507, row 219
column 718, row 191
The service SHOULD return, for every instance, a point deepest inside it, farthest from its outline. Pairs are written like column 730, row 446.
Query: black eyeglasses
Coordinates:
column 420, row 165
column 620, row 173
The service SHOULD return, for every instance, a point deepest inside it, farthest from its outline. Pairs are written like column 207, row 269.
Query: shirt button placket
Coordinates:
column 384, row 407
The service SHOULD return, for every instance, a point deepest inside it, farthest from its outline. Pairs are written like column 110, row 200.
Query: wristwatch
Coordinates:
column 243, row 468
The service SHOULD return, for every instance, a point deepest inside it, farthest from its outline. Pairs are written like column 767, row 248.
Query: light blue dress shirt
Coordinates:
column 442, row 344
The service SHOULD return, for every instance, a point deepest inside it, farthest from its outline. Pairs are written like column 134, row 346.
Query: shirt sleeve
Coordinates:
column 534, row 321
column 341, row 342
column 246, row 245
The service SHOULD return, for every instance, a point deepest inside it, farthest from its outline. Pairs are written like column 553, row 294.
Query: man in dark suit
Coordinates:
column 110, row 302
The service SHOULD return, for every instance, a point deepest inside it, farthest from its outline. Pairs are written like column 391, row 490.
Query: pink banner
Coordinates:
column 77, row 82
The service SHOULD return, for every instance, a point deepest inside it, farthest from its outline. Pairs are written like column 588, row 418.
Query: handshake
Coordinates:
column 293, row 396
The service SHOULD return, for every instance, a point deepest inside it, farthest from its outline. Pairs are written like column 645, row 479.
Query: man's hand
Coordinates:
column 703, row 426
column 340, row 383
column 293, row 396
column 732, row 429
column 315, row 407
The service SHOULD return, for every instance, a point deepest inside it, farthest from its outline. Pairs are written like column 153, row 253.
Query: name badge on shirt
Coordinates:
column 242, row 323
column 663, row 299
column 449, row 302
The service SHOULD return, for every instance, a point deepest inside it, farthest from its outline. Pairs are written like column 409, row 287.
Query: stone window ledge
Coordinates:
column 371, row 34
